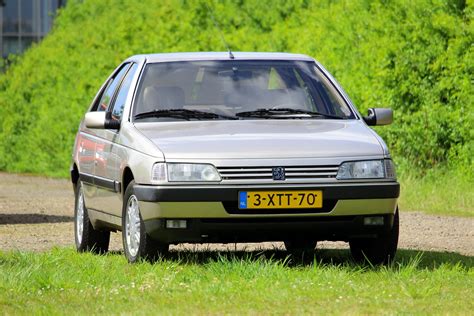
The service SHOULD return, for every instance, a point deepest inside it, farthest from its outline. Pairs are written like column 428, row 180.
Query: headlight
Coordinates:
column 184, row 172
column 369, row 169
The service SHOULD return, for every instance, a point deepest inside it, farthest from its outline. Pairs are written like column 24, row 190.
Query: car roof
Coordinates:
column 155, row 58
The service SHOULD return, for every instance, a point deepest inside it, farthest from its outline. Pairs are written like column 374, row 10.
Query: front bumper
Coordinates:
column 221, row 202
column 212, row 215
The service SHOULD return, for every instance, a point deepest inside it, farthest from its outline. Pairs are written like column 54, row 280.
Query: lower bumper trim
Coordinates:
column 268, row 229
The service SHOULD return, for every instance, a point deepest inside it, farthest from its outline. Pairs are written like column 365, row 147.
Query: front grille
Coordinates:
column 292, row 173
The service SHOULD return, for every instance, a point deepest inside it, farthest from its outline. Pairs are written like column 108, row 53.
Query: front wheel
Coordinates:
column 136, row 242
column 86, row 237
column 380, row 250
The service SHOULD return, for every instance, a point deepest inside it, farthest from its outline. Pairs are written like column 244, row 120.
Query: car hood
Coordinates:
column 262, row 139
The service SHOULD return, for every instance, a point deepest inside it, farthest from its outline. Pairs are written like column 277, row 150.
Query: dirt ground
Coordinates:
column 36, row 214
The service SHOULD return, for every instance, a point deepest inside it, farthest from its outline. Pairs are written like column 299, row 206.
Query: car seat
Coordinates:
column 163, row 98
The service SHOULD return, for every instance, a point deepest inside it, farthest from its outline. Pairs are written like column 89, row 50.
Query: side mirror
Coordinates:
column 379, row 116
column 99, row 120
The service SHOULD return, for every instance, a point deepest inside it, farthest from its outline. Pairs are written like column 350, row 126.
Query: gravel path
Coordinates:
column 36, row 214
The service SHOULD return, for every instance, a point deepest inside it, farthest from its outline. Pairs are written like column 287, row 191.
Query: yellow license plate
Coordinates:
column 280, row 199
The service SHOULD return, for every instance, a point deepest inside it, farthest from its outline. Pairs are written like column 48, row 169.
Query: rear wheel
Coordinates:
column 379, row 250
column 86, row 237
column 300, row 246
column 136, row 242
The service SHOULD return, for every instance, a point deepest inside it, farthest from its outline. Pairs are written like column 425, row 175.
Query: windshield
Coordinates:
column 231, row 89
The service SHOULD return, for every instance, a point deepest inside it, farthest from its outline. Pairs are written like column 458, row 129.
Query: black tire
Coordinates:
column 300, row 246
column 88, row 239
column 147, row 248
column 379, row 250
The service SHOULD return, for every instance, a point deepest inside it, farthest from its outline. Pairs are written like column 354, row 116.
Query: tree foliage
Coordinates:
column 414, row 56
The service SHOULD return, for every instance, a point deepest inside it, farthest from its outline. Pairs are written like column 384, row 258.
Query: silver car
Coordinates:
column 222, row 147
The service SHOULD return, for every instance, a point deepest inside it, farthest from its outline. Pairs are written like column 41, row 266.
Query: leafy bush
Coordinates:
column 414, row 56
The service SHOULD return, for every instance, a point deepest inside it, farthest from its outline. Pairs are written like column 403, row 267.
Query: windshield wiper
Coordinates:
column 284, row 113
column 183, row 114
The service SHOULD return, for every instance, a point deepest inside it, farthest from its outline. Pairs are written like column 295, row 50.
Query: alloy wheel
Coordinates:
column 80, row 216
column 132, row 226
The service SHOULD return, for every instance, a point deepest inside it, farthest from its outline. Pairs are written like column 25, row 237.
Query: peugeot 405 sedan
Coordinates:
column 231, row 147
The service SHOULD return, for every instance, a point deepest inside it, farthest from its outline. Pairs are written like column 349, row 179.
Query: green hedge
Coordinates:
column 414, row 56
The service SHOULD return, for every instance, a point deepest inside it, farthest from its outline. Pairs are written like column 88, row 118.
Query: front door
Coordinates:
column 110, row 154
column 102, row 179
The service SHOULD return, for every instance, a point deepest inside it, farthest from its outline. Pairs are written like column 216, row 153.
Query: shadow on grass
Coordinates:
column 336, row 257
column 433, row 259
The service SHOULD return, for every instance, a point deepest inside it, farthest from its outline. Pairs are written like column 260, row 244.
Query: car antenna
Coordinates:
column 216, row 25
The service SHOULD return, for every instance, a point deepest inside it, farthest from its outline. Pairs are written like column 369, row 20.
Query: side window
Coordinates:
column 119, row 102
column 110, row 89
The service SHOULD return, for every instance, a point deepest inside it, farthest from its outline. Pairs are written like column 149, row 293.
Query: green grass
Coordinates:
column 437, row 193
column 64, row 282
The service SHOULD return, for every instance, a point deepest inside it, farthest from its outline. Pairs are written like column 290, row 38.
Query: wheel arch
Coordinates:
column 74, row 174
column 127, row 177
